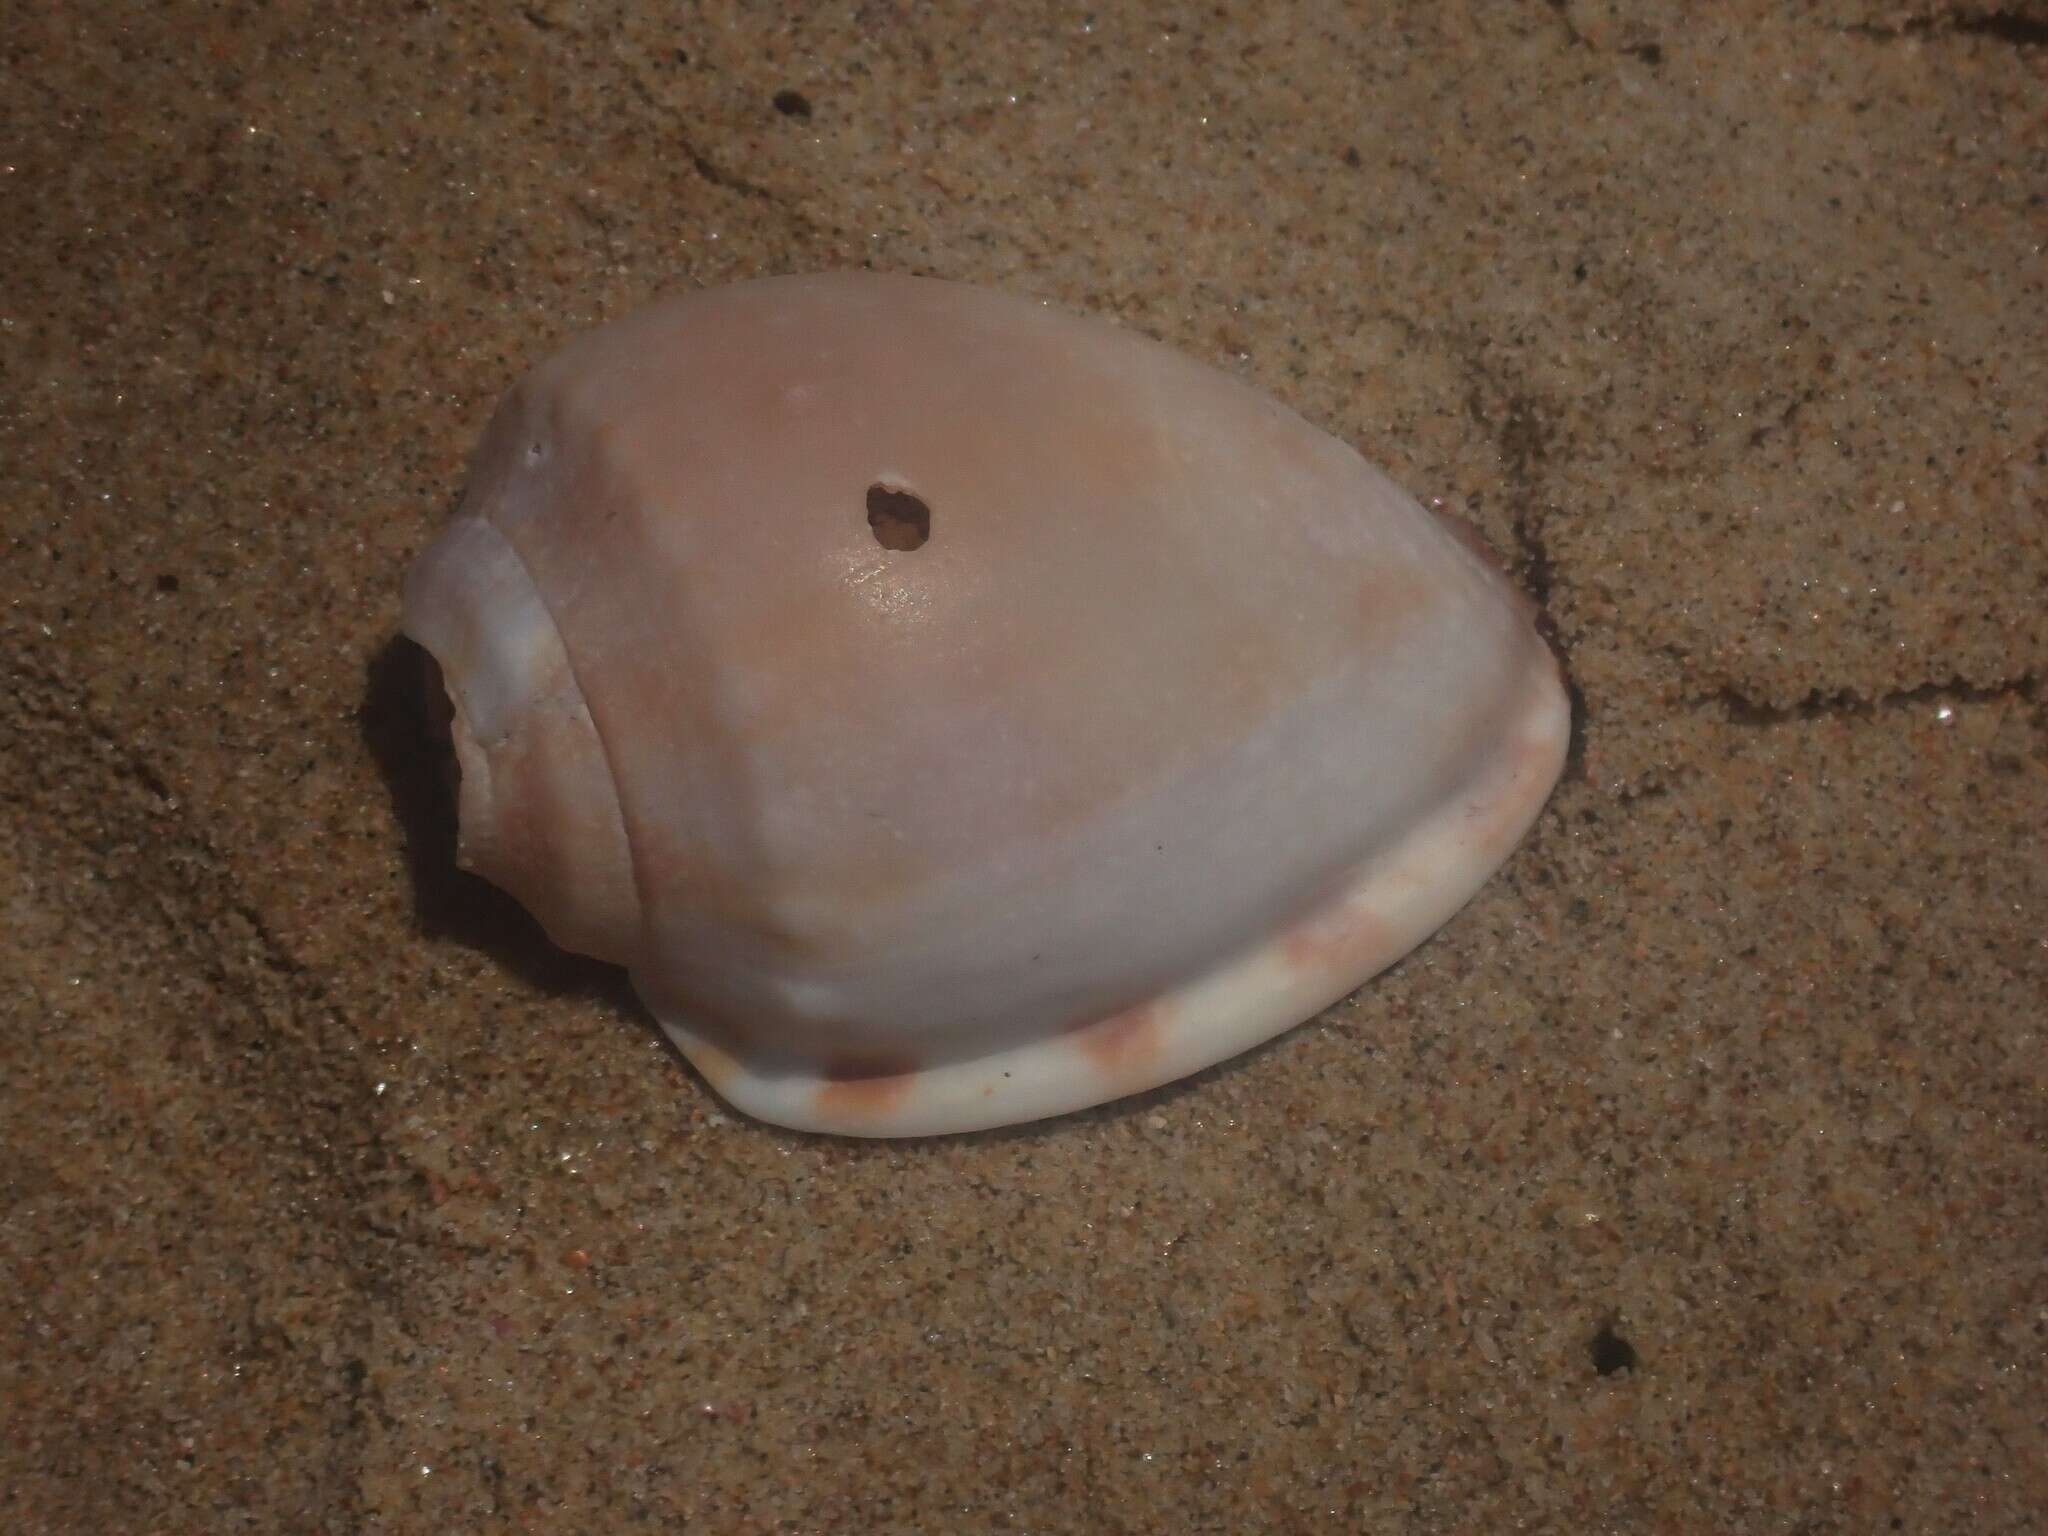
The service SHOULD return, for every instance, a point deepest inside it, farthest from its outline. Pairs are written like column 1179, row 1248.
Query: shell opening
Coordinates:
column 901, row 520
column 539, row 813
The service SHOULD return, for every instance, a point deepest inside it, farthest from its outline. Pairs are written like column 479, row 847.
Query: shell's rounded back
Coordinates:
column 961, row 675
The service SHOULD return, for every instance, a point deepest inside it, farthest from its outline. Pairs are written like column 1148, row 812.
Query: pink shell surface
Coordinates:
column 1182, row 722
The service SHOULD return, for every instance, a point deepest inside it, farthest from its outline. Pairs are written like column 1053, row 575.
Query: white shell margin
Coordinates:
column 1386, row 909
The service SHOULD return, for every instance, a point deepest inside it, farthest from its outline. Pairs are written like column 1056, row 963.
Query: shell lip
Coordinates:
column 1382, row 911
column 458, row 767
column 1533, row 603
column 538, row 805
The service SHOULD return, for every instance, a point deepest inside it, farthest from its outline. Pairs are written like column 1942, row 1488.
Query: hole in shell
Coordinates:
column 792, row 104
column 900, row 520
column 535, row 452
column 1611, row 1352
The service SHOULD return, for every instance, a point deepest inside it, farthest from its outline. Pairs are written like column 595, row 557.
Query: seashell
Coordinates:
column 953, row 712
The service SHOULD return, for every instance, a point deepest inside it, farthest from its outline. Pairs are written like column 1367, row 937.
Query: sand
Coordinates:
column 1691, row 1179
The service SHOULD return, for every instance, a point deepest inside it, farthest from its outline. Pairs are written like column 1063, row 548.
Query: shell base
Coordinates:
column 1381, row 912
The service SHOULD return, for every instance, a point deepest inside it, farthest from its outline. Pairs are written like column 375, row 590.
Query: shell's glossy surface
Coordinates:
column 1180, row 722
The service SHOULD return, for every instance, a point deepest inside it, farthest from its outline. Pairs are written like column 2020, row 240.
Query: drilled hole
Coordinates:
column 1611, row 1352
column 899, row 519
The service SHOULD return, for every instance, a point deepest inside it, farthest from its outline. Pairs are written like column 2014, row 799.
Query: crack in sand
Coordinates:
column 1820, row 703
column 2012, row 27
